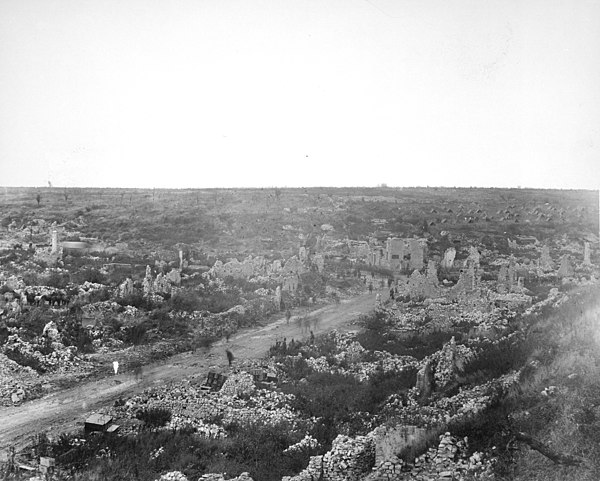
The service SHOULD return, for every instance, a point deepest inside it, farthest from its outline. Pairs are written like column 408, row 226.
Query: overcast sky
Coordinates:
column 224, row 93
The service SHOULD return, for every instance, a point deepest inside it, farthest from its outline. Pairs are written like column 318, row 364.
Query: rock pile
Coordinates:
column 219, row 477
column 238, row 384
column 15, row 381
column 173, row 476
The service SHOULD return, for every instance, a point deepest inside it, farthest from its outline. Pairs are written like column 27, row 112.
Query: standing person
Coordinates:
column 288, row 316
column 370, row 288
column 312, row 337
column 138, row 371
column 229, row 356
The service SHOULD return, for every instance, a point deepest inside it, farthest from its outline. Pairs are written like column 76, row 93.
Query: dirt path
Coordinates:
column 65, row 410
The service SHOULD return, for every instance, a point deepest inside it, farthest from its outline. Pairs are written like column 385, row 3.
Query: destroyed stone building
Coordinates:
column 565, row 269
column 402, row 254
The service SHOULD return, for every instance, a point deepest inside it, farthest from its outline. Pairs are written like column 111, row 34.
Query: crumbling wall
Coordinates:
column 125, row 289
column 503, row 284
column 348, row 460
column 450, row 460
column 358, row 249
column 546, row 263
column 586, row 254
column 391, row 441
column 425, row 381
column 319, row 261
column 416, row 248
column 565, row 269
column 474, row 257
column 448, row 260
column 432, row 276
column 468, row 282
column 294, row 266
column 290, row 283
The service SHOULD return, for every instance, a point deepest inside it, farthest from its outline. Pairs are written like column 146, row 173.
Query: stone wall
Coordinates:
column 390, row 442
column 448, row 260
column 349, row 459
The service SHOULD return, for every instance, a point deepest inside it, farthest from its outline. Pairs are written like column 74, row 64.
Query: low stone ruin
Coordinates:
column 348, row 460
column 450, row 460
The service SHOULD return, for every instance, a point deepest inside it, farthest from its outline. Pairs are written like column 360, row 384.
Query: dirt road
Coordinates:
column 65, row 410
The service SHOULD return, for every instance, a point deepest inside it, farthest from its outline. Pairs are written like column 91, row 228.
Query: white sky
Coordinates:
column 225, row 93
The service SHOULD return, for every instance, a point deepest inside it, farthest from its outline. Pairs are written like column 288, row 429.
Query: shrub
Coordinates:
column 135, row 335
column 60, row 280
column 90, row 274
column 136, row 300
column 24, row 359
column 154, row 417
column 185, row 300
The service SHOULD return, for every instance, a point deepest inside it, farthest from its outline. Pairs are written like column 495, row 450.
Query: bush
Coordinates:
column 154, row 417
column 25, row 360
column 136, row 300
column 185, row 300
column 90, row 274
column 135, row 335
column 60, row 280
column 73, row 334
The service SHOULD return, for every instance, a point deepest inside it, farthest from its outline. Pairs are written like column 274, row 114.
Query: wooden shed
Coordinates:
column 97, row 422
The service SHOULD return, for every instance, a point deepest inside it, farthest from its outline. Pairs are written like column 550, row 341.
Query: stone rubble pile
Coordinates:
column 173, row 476
column 15, row 380
column 219, row 477
column 238, row 384
column 192, row 407
column 61, row 357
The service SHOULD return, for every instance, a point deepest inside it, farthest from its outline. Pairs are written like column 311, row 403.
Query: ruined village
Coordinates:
column 299, row 334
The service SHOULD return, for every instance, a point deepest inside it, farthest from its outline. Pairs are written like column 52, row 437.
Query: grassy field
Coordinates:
column 270, row 221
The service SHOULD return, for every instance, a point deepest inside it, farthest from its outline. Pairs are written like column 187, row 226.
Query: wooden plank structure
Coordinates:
column 97, row 422
column 214, row 381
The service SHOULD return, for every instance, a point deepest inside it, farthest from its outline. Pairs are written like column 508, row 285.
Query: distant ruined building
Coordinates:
column 399, row 255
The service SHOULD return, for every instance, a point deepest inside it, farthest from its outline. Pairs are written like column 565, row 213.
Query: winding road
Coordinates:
column 65, row 410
